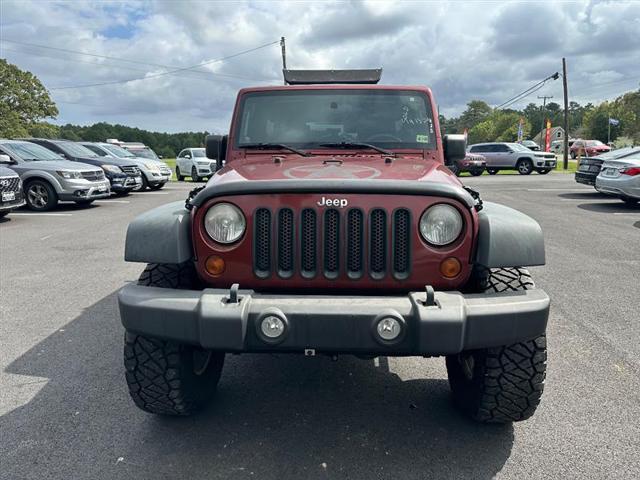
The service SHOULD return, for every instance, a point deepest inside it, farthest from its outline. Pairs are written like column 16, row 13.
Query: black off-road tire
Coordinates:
column 477, row 172
column 44, row 196
column 500, row 384
column 455, row 170
column 166, row 377
column 194, row 175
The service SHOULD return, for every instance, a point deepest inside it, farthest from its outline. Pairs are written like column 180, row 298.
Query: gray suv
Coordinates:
column 154, row 172
column 513, row 156
column 48, row 178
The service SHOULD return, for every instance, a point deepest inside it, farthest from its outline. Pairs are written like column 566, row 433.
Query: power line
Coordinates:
column 528, row 91
column 122, row 67
column 107, row 57
column 169, row 72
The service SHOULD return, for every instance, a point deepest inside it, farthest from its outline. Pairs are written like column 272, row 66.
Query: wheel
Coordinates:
column 166, row 377
column 629, row 200
column 41, row 196
column 84, row 203
column 476, row 173
column 145, row 183
column 500, row 384
column 492, row 171
column 455, row 170
column 194, row 174
column 178, row 176
column 4, row 214
column 573, row 154
column 524, row 166
column 157, row 186
column 122, row 193
column 542, row 171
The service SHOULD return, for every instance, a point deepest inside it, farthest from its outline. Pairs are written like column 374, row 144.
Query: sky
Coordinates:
column 164, row 66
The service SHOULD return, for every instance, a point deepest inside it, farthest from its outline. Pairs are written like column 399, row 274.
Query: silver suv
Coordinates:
column 513, row 156
column 154, row 172
column 48, row 178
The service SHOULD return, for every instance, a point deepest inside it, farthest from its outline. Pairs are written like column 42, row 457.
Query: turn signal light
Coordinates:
column 450, row 267
column 214, row 265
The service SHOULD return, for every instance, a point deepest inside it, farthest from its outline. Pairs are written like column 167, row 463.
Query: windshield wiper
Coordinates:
column 274, row 146
column 358, row 145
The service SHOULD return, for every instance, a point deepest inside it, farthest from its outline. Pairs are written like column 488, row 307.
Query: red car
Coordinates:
column 588, row 148
column 472, row 162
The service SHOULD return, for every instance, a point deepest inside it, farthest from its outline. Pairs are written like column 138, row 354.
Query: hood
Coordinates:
column 335, row 167
column 60, row 165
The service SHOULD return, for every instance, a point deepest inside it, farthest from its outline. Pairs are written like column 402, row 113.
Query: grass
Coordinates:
column 171, row 162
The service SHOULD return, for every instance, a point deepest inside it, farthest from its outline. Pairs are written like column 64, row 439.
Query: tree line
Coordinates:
column 485, row 124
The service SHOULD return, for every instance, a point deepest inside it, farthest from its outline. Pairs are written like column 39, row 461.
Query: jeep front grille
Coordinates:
column 93, row 175
column 332, row 243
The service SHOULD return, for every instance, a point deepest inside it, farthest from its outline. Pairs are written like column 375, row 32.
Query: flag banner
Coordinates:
column 520, row 130
column 614, row 122
column 547, row 139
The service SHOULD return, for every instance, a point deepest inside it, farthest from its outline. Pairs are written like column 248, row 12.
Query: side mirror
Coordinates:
column 160, row 157
column 187, row 156
column 5, row 159
column 216, row 149
column 455, row 148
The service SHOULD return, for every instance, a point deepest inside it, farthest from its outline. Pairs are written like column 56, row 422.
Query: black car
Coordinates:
column 589, row 167
column 11, row 195
column 122, row 174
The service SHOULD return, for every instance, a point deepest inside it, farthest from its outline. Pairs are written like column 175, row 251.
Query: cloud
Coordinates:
column 463, row 51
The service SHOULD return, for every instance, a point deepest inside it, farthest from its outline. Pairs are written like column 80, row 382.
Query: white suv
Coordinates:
column 513, row 156
column 193, row 162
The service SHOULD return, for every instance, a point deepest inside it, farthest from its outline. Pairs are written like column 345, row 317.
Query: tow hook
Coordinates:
column 233, row 294
column 430, row 296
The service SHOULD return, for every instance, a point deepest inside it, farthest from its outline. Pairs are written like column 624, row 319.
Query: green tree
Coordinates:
column 499, row 126
column 596, row 121
column 23, row 101
column 476, row 111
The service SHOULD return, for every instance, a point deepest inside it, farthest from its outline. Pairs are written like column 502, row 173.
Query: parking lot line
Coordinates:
column 112, row 201
column 586, row 189
column 149, row 193
column 626, row 213
column 41, row 214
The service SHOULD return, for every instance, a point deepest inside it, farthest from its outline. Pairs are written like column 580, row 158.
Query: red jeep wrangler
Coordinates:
column 335, row 227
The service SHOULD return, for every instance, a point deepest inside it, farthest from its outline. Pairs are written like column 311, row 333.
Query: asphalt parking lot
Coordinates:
column 65, row 412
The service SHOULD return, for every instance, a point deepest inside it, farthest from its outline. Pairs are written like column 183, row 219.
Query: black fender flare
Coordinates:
column 508, row 238
column 161, row 235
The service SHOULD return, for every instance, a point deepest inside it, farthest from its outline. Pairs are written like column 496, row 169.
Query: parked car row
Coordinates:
column 613, row 172
column 50, row 171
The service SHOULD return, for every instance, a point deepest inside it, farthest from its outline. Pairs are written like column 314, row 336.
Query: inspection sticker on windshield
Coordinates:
column 422, row 138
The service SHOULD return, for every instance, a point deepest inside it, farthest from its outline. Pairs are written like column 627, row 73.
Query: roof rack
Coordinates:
column 308, row 77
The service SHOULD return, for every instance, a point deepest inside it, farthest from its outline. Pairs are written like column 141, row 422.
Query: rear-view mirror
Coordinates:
column 455, row 148
column 216, row 149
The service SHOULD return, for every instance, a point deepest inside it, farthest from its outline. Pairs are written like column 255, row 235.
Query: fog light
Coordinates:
column 272, row 327
column 214, row 265
column 388, row 329
column 450, row 267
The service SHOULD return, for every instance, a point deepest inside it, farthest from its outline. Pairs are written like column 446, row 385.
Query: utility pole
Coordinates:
column 565, row 154
column 544, row 104
column 284, row 55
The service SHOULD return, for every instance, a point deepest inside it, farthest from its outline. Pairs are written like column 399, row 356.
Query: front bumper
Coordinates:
column 85, row 190
column 335, row 324
column 622, row 186
column 126, row 183
column 11, row 204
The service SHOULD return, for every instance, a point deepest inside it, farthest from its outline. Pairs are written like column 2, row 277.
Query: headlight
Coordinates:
column 111, row 168
column 69, row 174
column 441, row 224
column 152, row 166
column 224, row 223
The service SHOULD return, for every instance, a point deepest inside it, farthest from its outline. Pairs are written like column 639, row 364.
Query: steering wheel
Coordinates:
column 382, row 136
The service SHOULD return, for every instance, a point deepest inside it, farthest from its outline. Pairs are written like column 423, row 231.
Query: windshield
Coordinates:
column 76, row 150
column 198, row 152
column 118, row 151
column 144, row 153
column 30, row 151
column 594, row 143
column 308, row 119
column 519, row 148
